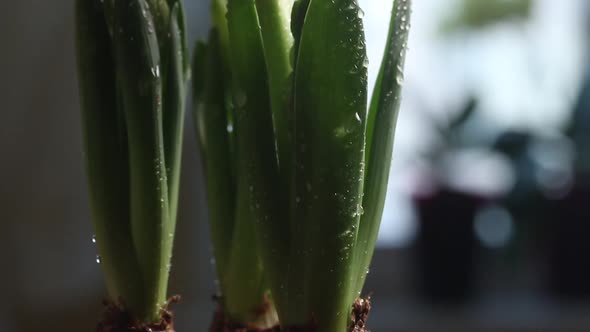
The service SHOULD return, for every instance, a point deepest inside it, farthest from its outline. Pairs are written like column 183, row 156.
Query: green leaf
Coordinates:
column 241, row 277
column 244, row 278
column 381, row 124
column 278, row 42
column 297, row 20
column 211, row 119
column 181, row 22
column 330, row 107
column 200, row 81
column 138, row 69
column 108, row 6
column 219, row 22
column 160, row 12
column 174, row 104
column 256, row 157
column 106, row 155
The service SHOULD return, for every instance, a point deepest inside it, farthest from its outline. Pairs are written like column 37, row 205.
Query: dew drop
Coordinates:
column 340, row 132
column 399, row 78
column 156, row 71
column 98, row 259
column 93, row 238
column 361, row 13
column 360, row 210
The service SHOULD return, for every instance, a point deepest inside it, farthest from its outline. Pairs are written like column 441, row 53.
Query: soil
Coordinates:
column 358, row 321
column 117, row 319
column 360, row 315
column 222, row 323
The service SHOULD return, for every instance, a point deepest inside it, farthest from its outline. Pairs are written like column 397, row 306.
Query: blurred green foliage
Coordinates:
column 477, row 14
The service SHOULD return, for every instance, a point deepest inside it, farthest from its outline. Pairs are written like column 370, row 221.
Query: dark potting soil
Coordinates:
column 358, row 320
column 222, row 323
column 117, row 319
column 360, row 315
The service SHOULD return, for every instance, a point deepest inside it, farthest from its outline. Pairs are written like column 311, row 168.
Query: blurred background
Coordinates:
column 485, row 224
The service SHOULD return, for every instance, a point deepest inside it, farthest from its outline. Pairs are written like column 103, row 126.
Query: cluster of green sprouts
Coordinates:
column 296, row 158
column 133, row 73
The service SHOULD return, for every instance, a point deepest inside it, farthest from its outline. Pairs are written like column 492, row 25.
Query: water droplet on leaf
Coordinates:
column 361, row 13
column 156, row 71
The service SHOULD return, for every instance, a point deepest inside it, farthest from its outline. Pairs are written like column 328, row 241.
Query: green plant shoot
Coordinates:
column 294, row 151
column 133, row 72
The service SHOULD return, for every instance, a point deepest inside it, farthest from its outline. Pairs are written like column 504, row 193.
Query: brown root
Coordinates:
column 360, row 315
column 117, row 319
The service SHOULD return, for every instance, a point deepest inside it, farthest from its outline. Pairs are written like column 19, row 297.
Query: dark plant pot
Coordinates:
column 446, row 246
column 569, row 244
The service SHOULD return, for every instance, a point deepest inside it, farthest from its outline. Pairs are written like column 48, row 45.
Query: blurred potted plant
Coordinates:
column 296, row 161
column 569, row 271
column 448, row 200
column 446, row 244
column 133, row 71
